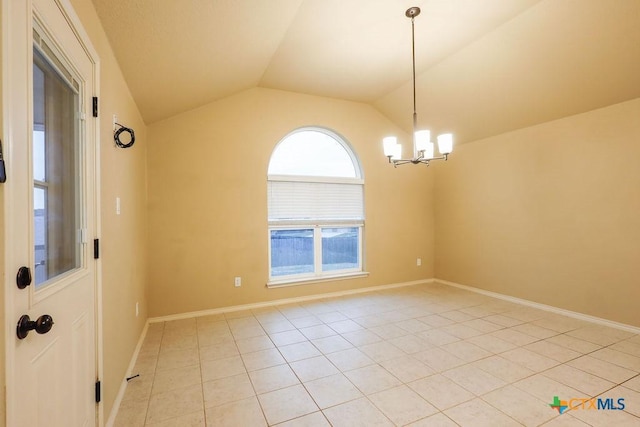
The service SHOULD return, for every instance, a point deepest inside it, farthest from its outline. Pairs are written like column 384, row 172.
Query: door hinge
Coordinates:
column 96, row 248
column 98, row 392
column 95, row 106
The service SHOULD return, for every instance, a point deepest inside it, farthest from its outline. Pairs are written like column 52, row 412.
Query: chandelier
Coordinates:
column 423, row 148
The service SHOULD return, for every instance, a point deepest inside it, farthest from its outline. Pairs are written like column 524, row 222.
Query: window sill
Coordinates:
column 307, row 281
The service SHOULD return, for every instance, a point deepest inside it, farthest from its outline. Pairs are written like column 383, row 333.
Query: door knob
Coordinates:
column 23, row 278
column 42, row 325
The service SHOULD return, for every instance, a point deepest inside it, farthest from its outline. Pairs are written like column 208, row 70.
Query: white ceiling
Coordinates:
column 484, row 66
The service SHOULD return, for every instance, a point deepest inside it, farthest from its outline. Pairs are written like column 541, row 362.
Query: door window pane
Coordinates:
column 40, row 233
column 291, row 252
column 340, row 248
column 56, row 197
column 39, row 156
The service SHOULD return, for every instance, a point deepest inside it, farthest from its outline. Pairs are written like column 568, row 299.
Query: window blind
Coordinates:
column 301, row 201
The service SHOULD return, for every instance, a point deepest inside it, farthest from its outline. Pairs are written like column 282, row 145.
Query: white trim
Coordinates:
column 314, row 178
column 98, row 234
column 545, row 307
column 300, row 224
column 123, row 385
column 97, row 186
column 283, row 301
column 13, row 14
column 315, row 279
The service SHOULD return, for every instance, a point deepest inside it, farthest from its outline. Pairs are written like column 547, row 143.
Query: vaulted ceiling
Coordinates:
column 483, row 67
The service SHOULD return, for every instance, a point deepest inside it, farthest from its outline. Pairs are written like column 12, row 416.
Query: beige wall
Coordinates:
column 123, row 237
column 207, row 200
column 548, row 213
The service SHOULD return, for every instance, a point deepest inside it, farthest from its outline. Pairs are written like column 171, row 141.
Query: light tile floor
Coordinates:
column 424, row 355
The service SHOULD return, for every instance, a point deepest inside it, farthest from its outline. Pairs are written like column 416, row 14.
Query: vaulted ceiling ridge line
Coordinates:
column 284, row 36
column 476, row 40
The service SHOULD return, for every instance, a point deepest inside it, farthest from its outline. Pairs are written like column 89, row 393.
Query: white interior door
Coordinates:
column 51, row 215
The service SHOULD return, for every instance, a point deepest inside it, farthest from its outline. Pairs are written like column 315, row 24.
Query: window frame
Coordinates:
column 318, row 224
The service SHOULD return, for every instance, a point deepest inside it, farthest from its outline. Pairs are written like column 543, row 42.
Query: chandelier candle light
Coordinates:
column 423, row 148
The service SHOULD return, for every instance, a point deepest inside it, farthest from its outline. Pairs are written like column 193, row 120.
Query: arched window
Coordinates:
column 315, row 208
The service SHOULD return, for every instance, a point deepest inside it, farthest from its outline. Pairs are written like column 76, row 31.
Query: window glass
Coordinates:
column 56, row 189
column 311, row 153
column 340, row 248
column 292, row 252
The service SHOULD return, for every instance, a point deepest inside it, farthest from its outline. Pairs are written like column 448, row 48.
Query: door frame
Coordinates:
column 17, row 17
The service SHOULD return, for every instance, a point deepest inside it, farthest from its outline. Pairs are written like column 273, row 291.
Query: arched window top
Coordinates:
column 312, row 151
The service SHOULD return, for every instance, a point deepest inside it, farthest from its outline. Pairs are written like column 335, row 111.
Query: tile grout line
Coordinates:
column 204, row 409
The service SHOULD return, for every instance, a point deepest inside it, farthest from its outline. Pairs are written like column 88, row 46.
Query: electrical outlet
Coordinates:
column 237, row 282
column 137, row 310
column 419, row 262
column 117, row 205
column 115, row 120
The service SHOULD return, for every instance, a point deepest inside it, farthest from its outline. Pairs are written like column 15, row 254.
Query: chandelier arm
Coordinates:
column 418, row 160
column 444, row 157
column 400, row 162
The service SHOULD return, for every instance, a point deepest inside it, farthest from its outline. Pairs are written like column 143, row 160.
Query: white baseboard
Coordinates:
column 123, row 386
column 545, row 307
column 294, row 300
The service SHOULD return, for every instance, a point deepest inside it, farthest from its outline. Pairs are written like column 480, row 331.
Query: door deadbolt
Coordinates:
column 23, row 278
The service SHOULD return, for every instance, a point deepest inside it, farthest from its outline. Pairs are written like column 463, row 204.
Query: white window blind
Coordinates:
column 307, row 201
